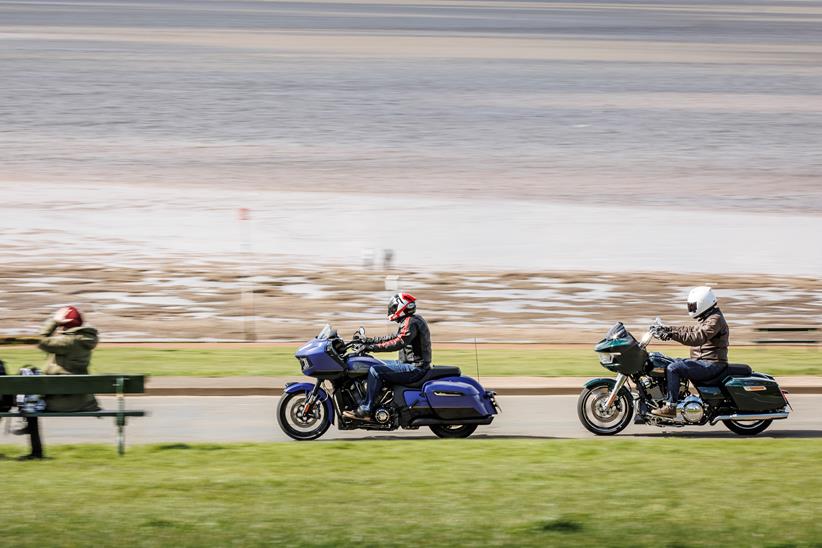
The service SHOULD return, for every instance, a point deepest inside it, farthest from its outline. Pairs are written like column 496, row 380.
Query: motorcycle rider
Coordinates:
column 413, row 340
column 708, row 340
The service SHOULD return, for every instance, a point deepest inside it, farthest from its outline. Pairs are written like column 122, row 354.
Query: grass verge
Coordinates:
column 279, row 361
column 664, row 492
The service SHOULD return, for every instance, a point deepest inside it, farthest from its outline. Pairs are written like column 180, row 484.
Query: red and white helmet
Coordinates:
column 401, row 305
column 68, row 317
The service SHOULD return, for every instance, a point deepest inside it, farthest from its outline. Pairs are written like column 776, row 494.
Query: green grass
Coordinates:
column 280, row 361
column 663, row 492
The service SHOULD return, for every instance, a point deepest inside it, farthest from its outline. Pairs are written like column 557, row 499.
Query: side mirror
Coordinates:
column 361, row 332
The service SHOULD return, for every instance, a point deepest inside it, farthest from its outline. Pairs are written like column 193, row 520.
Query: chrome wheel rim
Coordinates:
column 301, row 422
column 600, row 416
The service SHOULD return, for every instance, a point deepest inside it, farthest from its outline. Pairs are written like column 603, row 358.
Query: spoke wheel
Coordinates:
column 600, row 420
column 296, row 423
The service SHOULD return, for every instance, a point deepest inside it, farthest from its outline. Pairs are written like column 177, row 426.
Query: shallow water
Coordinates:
column 124, row 225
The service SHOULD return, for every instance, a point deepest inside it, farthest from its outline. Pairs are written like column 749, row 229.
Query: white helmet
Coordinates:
column 700, row 300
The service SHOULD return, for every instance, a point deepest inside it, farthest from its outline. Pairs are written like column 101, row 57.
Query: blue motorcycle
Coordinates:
column 444, row 400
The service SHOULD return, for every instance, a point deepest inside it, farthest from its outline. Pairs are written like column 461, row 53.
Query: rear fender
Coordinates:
column 308, row 387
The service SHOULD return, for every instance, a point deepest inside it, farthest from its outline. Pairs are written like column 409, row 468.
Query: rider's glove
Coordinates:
column 664, row 333
column 60, row 316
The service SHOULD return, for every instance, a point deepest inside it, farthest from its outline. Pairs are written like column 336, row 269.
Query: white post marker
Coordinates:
column 392, row 283
column 247, row 295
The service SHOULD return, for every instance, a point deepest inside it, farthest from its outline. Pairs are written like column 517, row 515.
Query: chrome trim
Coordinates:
column 438, row 393
column 620, row 382
column 752, row 416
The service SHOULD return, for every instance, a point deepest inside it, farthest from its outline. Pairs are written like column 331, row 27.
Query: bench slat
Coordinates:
column 77, row 414
column 70, row 384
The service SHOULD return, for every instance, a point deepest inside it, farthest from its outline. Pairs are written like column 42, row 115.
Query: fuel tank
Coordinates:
column 359, row 365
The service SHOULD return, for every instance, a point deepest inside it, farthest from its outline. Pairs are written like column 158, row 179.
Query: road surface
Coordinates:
column 251, row 419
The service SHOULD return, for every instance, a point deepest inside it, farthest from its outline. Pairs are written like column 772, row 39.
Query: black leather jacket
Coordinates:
column 413, row 340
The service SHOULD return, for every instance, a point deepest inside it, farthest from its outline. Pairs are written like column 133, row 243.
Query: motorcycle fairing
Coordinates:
column 322, row 395
column 315, row 358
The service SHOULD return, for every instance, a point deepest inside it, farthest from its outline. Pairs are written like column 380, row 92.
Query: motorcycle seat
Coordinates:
column 436, row 372
column 730, row 370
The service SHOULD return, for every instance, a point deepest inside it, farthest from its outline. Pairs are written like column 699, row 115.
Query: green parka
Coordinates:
column 69, row 354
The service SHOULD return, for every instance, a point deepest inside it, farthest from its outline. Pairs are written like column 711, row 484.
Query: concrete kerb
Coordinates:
column 504, row 386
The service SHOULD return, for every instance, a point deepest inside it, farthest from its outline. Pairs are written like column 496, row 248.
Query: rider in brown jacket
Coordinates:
column 708, row 340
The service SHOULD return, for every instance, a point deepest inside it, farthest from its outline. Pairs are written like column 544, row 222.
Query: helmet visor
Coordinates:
column 691, row 307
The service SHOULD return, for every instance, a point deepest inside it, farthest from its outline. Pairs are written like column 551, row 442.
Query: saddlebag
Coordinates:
column 755, row 394
column 458, row 399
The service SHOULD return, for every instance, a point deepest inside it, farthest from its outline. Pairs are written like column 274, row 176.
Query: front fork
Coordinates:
column 620, row 382
column 312, row 399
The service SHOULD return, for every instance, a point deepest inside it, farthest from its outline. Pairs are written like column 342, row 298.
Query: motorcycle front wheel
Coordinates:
column 747, row 428
column 453, row 430
column 601, row 421
column 296, row 423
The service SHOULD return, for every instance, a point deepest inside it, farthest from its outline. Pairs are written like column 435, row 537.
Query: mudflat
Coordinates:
column 172, row 300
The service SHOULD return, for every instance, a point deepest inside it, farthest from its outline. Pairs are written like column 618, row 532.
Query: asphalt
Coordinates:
column 221, row 419
column 504, row 386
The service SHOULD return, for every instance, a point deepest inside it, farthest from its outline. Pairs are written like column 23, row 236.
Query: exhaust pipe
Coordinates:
column 751, row 417
column 431, row 421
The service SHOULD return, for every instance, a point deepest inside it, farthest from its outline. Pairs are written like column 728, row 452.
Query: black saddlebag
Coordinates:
column 755, row 394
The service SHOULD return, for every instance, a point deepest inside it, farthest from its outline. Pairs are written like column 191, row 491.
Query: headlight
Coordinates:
column 608, row 358
column 303, row 364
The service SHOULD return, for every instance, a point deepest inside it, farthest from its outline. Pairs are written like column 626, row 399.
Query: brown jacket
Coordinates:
column 69, row 353
column 709, row 338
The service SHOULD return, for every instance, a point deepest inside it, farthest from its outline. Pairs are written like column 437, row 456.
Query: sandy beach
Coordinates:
column 205, row 302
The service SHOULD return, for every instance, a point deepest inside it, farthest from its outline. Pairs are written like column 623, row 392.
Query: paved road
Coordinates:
column 251, row 419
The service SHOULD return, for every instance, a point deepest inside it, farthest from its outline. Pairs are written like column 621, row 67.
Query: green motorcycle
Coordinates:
column 746, row 402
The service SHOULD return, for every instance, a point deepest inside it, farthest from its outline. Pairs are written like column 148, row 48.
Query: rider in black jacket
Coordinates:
column 413, row 340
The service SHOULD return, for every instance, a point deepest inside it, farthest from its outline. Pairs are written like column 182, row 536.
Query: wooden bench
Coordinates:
column 50, row 385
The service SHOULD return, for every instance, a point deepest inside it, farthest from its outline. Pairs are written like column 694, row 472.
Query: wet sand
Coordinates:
column 206, row 302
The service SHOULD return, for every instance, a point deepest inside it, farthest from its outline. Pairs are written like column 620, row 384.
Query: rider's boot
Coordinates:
column 361, row 413
column 668, row 411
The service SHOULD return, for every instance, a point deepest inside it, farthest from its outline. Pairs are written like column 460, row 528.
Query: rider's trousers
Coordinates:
column 693, row 370
column 393, row 372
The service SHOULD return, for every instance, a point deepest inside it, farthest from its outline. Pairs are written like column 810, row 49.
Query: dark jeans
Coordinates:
column 393, row 372
column 693, row 370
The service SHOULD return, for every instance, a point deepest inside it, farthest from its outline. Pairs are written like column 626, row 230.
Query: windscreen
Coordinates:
column 618, row 331
column 326, row 332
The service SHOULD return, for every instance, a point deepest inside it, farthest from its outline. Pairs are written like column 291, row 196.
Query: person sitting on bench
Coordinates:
column 69, row 344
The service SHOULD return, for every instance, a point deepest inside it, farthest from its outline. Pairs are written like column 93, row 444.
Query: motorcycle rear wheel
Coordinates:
column 453, row 430
column 747, row 428
column 600, row 421
column 295, row 424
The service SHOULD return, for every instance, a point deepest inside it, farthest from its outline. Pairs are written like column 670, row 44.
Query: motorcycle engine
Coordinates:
column 652, row 388
column 692, row 409
column 382, row 415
